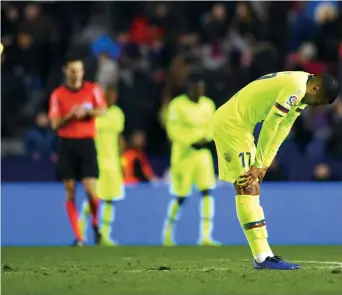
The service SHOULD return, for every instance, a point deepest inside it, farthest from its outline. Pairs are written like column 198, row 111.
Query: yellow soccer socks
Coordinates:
column 252, row 220
column 173, row 213
column 206, row 223
column 106, row 219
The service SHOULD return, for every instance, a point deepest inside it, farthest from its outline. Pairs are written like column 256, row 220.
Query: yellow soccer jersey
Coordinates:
column 188, row 122
column 251, row 105
column 275, row 100
column 109, row 127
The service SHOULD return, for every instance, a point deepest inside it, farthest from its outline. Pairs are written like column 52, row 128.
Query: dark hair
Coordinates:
column 330, row 87
column 72, row 58
column 195, row 77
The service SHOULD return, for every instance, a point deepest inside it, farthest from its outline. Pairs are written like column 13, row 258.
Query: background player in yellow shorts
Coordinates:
column 189, row 129
column 110, row 183
column 277, row 99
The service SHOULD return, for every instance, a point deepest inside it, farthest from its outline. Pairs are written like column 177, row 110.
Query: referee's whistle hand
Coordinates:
column 80, row 113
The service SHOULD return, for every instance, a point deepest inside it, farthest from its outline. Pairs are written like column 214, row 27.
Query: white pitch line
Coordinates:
column 332, row 263
column 183, row 270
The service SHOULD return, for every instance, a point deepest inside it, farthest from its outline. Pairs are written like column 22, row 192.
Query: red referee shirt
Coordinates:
column 62, row 101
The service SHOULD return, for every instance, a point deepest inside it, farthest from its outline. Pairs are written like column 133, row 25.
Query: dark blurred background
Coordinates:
column 147, row 49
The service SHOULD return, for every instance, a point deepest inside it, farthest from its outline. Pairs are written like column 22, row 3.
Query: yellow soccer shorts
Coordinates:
column 196, row 169
column 235, row 152
column 110, row 185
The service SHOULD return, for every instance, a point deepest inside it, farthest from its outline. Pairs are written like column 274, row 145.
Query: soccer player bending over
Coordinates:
column 277, row 99
column 189, row 128
column 110, row 183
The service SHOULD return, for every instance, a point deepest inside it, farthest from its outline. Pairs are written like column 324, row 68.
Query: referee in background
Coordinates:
column 73, row 108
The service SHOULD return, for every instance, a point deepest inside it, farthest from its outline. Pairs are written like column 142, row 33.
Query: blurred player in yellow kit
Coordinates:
column 110, row 183
column 189, row 128
column 275, row 99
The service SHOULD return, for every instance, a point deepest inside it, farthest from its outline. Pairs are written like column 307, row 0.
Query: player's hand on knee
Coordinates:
column 241, row 181
column 242, row 189
column 253, row 175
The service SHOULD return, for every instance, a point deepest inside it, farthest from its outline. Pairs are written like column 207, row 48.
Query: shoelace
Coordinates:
column 274, row 258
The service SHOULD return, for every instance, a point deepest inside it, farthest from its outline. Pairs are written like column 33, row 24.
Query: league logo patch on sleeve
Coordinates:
column 87, row 106
column 291, row 101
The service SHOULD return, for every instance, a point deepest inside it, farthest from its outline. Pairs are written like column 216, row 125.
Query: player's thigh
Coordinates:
column 235, row 156
column 181, row 179
column 204, row 172
column 88, row 154
column 110, row 185
column 67, row 162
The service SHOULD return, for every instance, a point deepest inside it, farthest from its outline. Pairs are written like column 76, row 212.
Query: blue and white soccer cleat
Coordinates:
column 277, row 263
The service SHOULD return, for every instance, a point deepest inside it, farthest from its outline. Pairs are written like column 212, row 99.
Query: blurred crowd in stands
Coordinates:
column 147, row 50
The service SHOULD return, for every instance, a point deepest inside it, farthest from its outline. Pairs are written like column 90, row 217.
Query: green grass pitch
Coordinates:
column 166, row 270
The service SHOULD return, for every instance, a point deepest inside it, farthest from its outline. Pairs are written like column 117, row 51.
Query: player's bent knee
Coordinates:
column 180, row 200
column 254, row 190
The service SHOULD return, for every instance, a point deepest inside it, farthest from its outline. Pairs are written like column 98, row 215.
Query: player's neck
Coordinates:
column 74, row 86
column 194, row 99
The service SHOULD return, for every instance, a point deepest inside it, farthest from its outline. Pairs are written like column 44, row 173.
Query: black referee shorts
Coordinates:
column 77, row 159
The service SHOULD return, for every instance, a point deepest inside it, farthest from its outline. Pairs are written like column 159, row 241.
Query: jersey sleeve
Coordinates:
column 176, row 127
column 273, row 132
column 120, row 121
column 282, row 132
column 209, row 135
column 289, row 96
column 54, row 107
column 98, row 96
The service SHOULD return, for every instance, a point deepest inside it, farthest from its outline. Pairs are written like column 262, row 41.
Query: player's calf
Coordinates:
column 72, row 210
column 83, row 218
column 106, row 220
column 207, row 211
column 90, row 188
column 252, row 220
column 173, row 214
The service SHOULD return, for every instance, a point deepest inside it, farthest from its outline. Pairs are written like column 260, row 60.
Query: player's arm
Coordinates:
column 56, row 118
column 122, row 141
column 267, row 134
column 119, row 122
column 179, row 132
column 284, row 103
column 209, row 135
column 283, row 131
